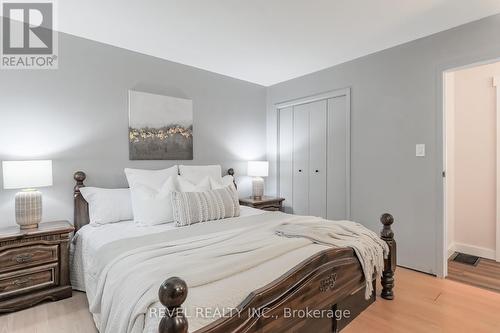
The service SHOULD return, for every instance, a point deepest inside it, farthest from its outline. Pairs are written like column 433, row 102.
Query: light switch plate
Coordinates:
column 420, row 150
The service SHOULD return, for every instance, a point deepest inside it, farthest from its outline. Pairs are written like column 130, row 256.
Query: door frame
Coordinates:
column 496, row 84
column 442, row 225
column 314, row 98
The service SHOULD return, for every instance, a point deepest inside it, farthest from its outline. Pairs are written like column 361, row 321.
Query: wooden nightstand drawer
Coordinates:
column 27, row 256
column 269, row 207
column 264, row 203
column 27, row 280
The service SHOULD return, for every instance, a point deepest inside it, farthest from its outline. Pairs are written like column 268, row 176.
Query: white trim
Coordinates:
column 446, row 252
column 496, row 83
column 451, row 250
column 475, row 250
column 314, row 98
column 448, row 66
column 278, row 189
column 348, row 155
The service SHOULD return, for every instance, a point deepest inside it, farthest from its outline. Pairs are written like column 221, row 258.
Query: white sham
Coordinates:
column 151, row 193
column 108, row 205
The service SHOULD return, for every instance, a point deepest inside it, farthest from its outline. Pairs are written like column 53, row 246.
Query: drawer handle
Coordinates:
column 21, row 282
column 22, row 258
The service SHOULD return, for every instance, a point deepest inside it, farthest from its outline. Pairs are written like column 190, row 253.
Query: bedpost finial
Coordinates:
column 387, row 220
column 172, row 294
column 79, row 176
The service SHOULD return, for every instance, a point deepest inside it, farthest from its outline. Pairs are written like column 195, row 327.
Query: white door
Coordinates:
column 314, row 155
column 301, row 160
column 286, row 157
column 317, row 158
column 338, row 180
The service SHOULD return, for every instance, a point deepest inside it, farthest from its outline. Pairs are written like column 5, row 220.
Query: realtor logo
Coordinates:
column 29, row 40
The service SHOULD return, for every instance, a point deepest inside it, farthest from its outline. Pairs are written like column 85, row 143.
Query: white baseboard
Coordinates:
column 451, row 250
column 472, row 250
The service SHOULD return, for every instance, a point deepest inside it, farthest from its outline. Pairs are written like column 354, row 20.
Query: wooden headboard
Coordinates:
column 81, row 207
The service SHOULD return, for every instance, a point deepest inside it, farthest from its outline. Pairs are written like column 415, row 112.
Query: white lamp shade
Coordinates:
column 26, row 174
column 258, row 168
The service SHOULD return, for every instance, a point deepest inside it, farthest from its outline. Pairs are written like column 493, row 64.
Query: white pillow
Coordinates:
column 196, row 173
column 227, row 180
column 151, row 193
column 108, row 205
column 150, row 177
column 195, row 207
column 184, row 185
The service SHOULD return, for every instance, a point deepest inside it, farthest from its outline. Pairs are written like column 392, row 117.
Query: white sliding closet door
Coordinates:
column 286, row 157
column 338, row 180
column 314, row 155
column 317, row 158
column 301, row 160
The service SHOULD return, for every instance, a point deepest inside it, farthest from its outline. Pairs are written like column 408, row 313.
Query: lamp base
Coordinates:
column 28, row 208
column 28, row 226
column 257, row 188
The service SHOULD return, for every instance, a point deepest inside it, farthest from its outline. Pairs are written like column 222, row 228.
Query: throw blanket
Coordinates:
column 128, row 274
column 369, row 248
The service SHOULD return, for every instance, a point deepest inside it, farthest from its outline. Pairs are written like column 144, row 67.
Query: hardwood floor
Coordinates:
column 428, row 304
column 485, row 275
column 423, row 304
column 70, row 315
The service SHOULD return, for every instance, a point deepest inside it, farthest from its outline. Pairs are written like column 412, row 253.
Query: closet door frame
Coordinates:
column 314, row 98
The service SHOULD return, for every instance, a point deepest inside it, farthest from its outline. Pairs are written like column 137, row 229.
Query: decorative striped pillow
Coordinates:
column 194, row 207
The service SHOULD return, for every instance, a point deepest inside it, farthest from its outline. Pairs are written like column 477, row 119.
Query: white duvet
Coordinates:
column 91, row 238
column 235, row 256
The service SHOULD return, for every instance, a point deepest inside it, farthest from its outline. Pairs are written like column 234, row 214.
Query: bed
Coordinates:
column 303, row 288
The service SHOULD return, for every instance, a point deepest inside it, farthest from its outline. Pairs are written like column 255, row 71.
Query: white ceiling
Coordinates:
column 264, row 41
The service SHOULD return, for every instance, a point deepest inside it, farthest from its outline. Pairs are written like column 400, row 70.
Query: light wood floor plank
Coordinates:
column 485, row 275
column 427, row 304
column 68, row 315
column 423, row 304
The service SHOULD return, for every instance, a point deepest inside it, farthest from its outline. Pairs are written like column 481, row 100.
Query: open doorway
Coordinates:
column 472, row 177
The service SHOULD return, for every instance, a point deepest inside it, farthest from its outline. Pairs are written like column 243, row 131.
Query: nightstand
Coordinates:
column 34, row 265
column 265, row 203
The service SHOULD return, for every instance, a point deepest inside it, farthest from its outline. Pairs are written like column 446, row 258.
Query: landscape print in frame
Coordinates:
column 160, row 127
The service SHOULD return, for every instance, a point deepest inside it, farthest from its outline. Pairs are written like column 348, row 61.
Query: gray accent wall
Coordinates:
column 78, row 117
column 396, row 99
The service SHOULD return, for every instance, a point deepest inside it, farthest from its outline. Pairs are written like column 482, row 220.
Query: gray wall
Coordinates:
column 78, row 116
column 396, row 103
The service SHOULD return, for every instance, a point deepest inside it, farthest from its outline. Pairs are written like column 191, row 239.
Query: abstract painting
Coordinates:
column 160, row 127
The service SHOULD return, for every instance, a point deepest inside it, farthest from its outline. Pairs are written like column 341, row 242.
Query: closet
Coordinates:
column 314, row 155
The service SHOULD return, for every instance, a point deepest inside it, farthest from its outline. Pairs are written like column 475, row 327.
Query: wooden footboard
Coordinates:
column 321, row 294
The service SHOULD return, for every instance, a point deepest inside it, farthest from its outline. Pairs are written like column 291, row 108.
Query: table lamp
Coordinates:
column 27, row 175
column 257, row 170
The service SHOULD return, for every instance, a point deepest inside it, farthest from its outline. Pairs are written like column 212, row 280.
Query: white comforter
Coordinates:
column 91, row 238
column 240, row 255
